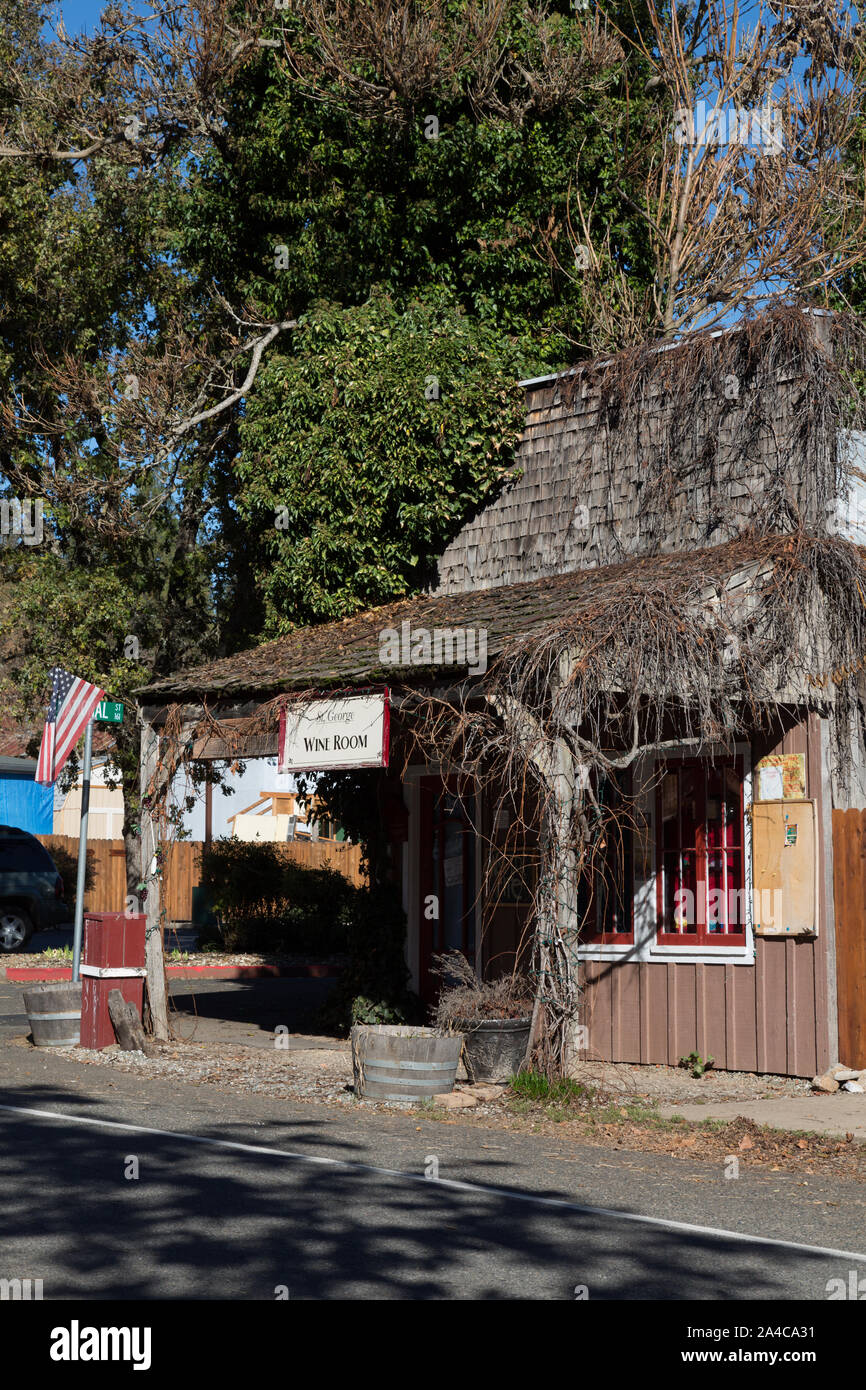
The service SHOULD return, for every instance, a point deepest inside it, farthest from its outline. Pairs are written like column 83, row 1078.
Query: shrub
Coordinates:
column 374, row 987
column 464, row 997
column 265, row 901
column 66, row 865
column 696, row 1064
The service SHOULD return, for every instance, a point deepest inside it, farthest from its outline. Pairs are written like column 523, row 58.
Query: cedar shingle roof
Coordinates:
column 345, row 654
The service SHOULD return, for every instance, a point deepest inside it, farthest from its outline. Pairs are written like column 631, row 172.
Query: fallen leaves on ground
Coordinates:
column 757, row 1146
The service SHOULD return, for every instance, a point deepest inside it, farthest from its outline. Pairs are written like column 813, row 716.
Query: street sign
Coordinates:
column 108, row 712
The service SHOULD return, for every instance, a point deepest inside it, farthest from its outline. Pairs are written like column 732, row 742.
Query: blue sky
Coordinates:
column 80, row 14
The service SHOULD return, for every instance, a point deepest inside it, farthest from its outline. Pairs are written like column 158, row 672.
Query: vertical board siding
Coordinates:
column 712, row 1001
column 747, row 1018
column 743, row 1041
column 183, row 869
column 627, row 1015
column 849, row 891
column 772, row 1019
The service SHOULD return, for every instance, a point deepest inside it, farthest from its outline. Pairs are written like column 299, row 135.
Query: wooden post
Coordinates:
column 157, row 993
column 127, row 1024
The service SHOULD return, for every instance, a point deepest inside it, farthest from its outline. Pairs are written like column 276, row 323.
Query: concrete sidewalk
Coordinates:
column 840, row 1114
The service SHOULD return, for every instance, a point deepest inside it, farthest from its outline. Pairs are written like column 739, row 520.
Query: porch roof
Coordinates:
column 345, row 654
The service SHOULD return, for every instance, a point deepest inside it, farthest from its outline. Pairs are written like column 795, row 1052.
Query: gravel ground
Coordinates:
column 298, row 1073
column 325, row 1074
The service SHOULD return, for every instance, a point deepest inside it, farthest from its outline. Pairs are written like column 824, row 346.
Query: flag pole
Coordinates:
column 82, row 853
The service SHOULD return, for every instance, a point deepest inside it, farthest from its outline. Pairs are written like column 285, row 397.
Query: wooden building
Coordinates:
column 712, row 489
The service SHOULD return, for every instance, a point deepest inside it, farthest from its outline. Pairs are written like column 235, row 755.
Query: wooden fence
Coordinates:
column 182, row 873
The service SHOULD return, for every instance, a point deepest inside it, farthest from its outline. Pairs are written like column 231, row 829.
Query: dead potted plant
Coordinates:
column 494, row 1016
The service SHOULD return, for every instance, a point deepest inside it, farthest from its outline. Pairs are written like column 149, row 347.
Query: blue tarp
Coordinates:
column 26, row 804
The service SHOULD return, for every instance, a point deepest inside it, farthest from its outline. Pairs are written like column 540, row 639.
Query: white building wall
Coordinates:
column 259, row 776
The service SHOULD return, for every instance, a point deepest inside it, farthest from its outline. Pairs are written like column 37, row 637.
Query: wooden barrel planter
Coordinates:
column 398, row 1062
column 495, row 1047
column 54, row 1011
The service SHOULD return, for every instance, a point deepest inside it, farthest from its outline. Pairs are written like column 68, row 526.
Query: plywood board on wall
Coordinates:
column 785, row 868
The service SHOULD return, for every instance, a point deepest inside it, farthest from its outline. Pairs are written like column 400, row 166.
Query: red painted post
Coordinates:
column 112, row 958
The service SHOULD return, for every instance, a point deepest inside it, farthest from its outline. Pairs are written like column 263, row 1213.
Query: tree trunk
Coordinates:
column 556, row 901
column 556, row 931
column 157, row 994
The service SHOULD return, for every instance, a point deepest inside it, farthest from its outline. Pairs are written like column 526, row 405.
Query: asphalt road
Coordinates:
column 315, row 1215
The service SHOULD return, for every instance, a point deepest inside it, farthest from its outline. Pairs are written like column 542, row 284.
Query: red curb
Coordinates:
column 316, row 971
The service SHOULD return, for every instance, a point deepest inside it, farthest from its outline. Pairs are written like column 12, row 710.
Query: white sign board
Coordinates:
column 335, row 733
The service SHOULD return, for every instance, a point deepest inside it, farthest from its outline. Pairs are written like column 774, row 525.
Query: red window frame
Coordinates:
column 703, row 853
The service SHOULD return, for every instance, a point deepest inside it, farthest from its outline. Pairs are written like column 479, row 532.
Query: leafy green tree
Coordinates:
column 364, row 451
column 468, row 177
column 178, row 199
column 120, row 586
column 429, row 232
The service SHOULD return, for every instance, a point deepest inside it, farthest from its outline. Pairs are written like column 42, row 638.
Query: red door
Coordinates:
column 447, row 878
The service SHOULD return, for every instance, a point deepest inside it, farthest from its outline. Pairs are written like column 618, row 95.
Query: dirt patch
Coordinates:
column 675, row 1085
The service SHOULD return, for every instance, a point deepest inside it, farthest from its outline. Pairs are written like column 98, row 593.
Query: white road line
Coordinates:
column 452, row 1184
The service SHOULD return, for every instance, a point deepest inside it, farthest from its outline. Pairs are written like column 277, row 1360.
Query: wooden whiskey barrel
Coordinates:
column 54, row 1011
column 399, row 1062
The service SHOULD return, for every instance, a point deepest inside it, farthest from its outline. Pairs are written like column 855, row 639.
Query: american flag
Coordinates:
column 72, row 703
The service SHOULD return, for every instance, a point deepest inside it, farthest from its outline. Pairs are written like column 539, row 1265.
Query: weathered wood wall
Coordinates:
column 183, row 869
column 581, row 498
column 849, row 886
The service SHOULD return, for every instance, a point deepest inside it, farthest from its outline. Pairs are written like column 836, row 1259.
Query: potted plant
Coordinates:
column 494, row 1016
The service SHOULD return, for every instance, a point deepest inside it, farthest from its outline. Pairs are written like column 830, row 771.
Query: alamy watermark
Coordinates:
column 77, row 1343
column 444, row 646
column 22, row 518
column 20, row 1290
column 760, row 129
column 708, row 907
column 855, row 1289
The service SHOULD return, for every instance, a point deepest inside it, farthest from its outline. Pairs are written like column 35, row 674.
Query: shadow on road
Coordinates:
column 204, row 1223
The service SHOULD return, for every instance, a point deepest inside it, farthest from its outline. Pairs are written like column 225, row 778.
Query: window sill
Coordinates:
column 703, row 955
column 637, row 954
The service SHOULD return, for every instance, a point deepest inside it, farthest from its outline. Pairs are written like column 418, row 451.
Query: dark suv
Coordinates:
column 31, row 889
